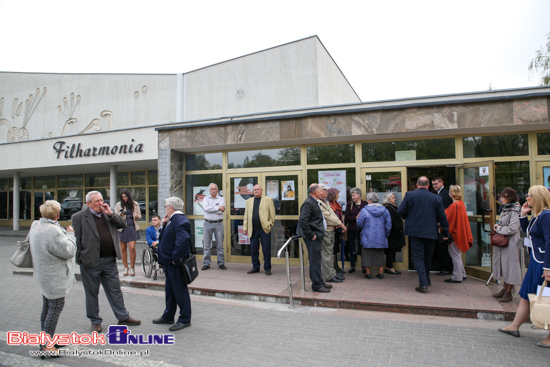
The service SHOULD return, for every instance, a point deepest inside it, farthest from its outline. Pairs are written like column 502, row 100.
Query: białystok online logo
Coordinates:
column 118, row 335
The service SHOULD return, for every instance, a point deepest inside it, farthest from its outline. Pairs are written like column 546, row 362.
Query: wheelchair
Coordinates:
column 150, row 263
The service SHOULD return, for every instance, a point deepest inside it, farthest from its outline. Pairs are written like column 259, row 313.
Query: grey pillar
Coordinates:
column 16, row 200
column 112, row 198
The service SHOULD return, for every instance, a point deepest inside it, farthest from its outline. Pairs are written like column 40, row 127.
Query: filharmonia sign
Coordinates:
column 62, row 149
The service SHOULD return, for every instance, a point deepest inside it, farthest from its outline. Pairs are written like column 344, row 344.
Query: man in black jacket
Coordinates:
column 443, row 246
column 312, row 228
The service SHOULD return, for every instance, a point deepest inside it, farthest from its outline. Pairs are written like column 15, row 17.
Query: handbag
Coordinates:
column 22, row 257
column 540, row 308
column 190, row 269
column 499, row 240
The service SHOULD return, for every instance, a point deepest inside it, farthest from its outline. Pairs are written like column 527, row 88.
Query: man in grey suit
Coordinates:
column 97, row 248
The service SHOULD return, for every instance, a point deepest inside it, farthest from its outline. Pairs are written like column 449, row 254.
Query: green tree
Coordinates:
column 541, row 63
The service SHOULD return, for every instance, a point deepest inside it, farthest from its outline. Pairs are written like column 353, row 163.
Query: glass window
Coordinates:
column 543, row 143
column 123, row 178
column 199, row 162
column 153, row 201
column 325, row 154
column 98, row 180
column 313, row 176
column 4, row 184
column 196, row 188
column 3, row 205
column 70, row 181
column 25, row 183
column 282, row 230
column 496, row 146
column 514, row 175
column 24, row 205
column 241, row 191
column 409, row 150
column 153, row 177
column 71, row 202
column 44, row 182
column 287, row 201
column 264, row 158
column 138, row 178
column 383, row 182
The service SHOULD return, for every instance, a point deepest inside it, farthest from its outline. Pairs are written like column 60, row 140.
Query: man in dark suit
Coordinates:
column 174, row 249
column 97, row 248
column 312, row 227
column 422, row 211
column 443, row 246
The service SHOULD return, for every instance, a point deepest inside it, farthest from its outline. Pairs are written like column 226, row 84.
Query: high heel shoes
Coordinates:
column 51, row 353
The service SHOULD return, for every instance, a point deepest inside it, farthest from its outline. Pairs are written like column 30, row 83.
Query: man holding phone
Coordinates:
column 97, row 249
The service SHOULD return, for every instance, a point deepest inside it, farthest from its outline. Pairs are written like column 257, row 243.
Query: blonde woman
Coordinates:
column 461, row 234
column 538, row 234
column 53, row 250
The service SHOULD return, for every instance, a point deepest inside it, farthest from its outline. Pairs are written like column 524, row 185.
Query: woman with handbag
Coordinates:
column 129, row 210
column 53, row 251
column 461, row 234
column 506, row 259
column 332, row 198
column 396, row 239
column 353, row 208
column 538, row 235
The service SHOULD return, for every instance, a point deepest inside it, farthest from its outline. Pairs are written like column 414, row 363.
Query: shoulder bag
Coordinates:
column 540, row 308
column 189, row 266
column 499, row 240
column 22, row 257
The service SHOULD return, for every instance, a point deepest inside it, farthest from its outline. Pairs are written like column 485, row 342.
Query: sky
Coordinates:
column 386, row 49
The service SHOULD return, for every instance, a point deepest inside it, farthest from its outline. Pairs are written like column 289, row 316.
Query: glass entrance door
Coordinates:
column 382, row 181
column 478, row 187
column 285, row 188
column 543, row 174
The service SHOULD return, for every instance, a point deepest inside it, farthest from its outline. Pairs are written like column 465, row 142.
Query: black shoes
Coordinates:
column 421, row 289
column 268, row 272
column 340, row 276
column 380, row 276
column 160, row 320
column 329, row 286
column 352, row 270
column 444, row 272
column 387, row 271
column 335, row 280
column 222, row 266
column 322, row 290
column 178, row 326
column 253, row 271
column 510, row 332
column 205, row 267
column 368, row 276
column 364, row 270
column 451, row 280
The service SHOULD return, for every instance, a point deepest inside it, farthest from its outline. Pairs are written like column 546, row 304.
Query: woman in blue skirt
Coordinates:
column 538, row 234
column 128, row 209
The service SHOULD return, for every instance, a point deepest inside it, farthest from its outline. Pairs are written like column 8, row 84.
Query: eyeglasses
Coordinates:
column 528, row 196
column 166, row 206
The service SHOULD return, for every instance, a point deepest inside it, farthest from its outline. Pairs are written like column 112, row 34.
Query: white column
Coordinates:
column 16, row 200
column 113, row 185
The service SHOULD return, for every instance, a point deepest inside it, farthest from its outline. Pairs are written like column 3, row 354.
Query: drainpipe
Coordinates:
column 16, row 199
column 112, row 187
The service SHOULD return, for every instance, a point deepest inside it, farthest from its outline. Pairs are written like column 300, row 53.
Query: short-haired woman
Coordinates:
column 53, row 250
column 538, row 233
column 461, row 234
column 353, row 208
column 506, row 259
column 375, row 222
column 332, row 198
column 396, row 239
column 128, row 209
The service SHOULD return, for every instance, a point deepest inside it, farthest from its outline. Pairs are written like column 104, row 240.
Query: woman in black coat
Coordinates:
column 396, row 240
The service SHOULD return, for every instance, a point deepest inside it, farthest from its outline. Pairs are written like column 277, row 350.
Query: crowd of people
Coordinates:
column 99, row 236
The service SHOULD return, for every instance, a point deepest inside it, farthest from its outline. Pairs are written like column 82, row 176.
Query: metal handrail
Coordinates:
column 287, row 256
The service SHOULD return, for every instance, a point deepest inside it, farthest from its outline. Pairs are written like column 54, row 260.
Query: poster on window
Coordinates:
column 287, row 190
column 244, row 190
column 199, row 192
column 546, row 174
column 243, row 240
column 199, row 223
column 272, row 189
column 336, row 179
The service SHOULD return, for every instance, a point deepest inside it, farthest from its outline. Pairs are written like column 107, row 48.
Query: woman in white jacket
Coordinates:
column 53, row 250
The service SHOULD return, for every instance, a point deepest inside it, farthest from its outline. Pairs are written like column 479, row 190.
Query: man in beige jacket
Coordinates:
column 259, row 217
column 327, row 260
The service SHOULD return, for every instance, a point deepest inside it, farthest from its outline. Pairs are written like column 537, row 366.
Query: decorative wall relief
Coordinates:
column 68, row 111
column 20, row 133
column 143, row 90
